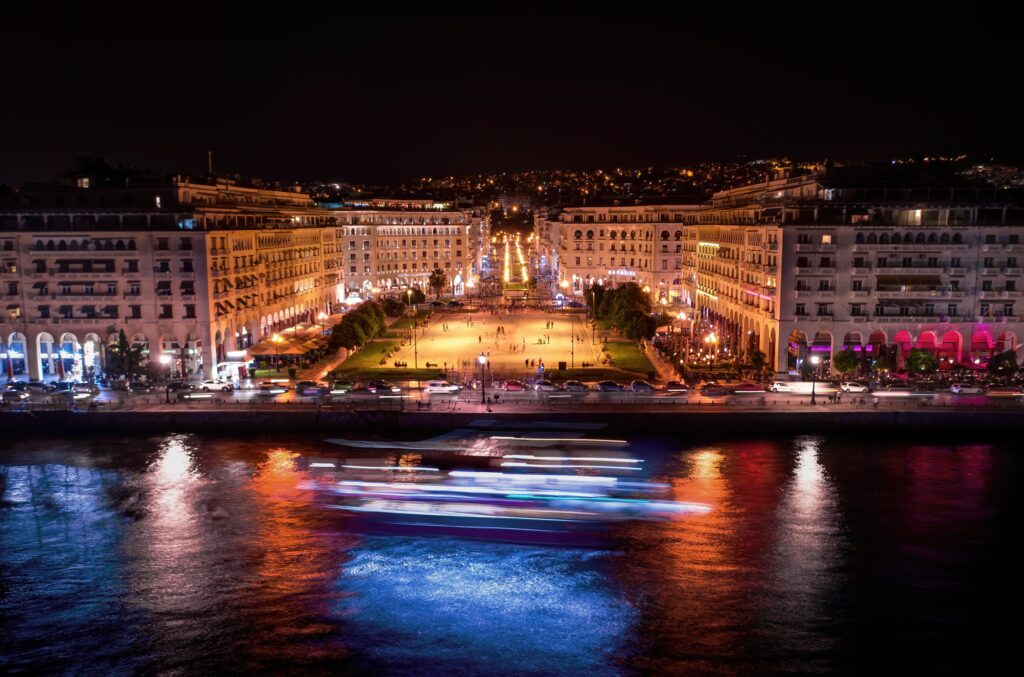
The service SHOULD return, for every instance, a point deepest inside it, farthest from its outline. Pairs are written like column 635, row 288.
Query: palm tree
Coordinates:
column 438, row 281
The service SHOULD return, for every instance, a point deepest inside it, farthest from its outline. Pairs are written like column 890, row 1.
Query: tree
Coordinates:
column 414, row 295
column 883, row 363
column 845, row 362
column 758, row 360
column 636, row 324
column 921, row 361
column 392, row 307
column 438, row 281
column 1003, row 364
column 123, row 360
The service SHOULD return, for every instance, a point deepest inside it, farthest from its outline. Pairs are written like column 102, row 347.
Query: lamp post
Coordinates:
column 277, row 341
column 712, row 341
column 483, row 378
column 166, row 361
column 814, row 374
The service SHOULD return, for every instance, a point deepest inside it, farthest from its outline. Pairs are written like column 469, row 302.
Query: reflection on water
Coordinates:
column 185, row 554
column 448, row 606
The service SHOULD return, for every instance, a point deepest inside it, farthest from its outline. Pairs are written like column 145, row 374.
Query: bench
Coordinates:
column 423, row 405
column 401, row 364
column 431, row 365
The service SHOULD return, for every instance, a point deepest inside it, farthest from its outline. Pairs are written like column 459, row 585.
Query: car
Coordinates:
column 544, row 386
column 215, row 384
column 747, row 387
column 610, row 387
column 641, row 387
column 895, row 390
column 676, row 387
column 14, row 395
column 574, row 304
column 441, row 387
column 854, row 387
column 712, row 389
column 311, row 388
column 1004, row 391
column 455, row 304
column 141, row 387
column 271, row 388
column 380, row 387
column 781, row 387
column 575, row 387
column 176, row 386
column 35, row 386
column 436, row 304
column 342, row 387
column 514, row 386
column 966, row 389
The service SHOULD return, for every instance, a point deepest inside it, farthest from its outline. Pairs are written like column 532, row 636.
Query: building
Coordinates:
column 879, row 260
column 194, row 271
column 609, row 245
column 389, row 249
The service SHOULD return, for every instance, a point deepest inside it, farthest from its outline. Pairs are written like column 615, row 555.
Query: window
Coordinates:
column 857, row 285
column 986, row 285
column 1011, row 262
column 951, row 310
column 990, row 239
column 826, row 262
column 984, row 309
column 166, row 312
column 826, row 238
column 858, row 262
column 111, row 287
column 954, row 285
column 162, row 244
column 856, row 309
column 1008, row 309
column 190, row 311
column 954, row 262
column 989, row 262
column 801, row 309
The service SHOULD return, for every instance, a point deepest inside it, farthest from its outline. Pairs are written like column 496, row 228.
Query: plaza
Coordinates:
column 506, row 339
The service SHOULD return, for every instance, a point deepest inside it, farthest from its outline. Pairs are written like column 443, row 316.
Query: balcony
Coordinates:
column 860, row 293
column 803, row 293
column 804, row 270
column 956, row 271
column 861, row 270
column 991, row 247
column 990, row 271
column 1011, row 271
column 827, row 270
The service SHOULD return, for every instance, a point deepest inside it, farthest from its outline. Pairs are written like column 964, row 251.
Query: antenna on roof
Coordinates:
column 209, row 162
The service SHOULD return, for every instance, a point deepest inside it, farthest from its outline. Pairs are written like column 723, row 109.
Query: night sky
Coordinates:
column 332, row 95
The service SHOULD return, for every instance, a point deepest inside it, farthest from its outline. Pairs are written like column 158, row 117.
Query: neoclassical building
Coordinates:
column 194, row 271
column 874, row 259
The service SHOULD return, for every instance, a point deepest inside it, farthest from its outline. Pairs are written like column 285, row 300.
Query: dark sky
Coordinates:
column 332, row 95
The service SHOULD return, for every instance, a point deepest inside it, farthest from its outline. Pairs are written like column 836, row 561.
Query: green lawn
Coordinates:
column 369, row 357
column 627, row 356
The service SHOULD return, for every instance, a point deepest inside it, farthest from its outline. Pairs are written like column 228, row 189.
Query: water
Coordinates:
column 185, row 554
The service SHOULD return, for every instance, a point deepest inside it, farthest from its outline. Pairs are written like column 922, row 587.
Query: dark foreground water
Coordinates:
column 184, row 554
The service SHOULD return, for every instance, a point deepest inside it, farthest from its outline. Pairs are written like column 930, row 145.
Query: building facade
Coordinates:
column 195, row 272
column 393, row 249
column 879, row 261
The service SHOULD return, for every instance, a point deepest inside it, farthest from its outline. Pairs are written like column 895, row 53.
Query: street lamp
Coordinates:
column 166, row 361
column 277, row 341
column 814, row 374
column 483, row 378
column 712, row 341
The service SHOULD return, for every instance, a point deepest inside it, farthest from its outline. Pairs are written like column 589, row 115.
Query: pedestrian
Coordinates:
column 479, row 339
column 527, row 362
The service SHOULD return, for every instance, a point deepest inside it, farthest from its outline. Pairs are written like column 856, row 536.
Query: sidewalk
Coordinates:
column 666, row 372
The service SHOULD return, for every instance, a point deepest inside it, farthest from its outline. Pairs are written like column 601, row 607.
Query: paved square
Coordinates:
column 457, row 339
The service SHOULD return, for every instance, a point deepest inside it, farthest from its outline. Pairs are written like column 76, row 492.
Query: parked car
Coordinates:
column 215, row 384
column 342, row 387
column 436, row 304
column 10, row 396
column 575, row 387
column 854, row 387
column 443, row 387
column 36, row 386
column 966, row 389
column 747, row 387
column 514, row 386
column 676, row 387
column 455, row 304
column 311, row 388
column 380, row 387
column 544, row 386
column 141, row 387
column 641, row 387
column 712, row 389
column 610, row 387
column 574, row 304
column 781, row 387
column 176, row 386
column 1005, row 391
